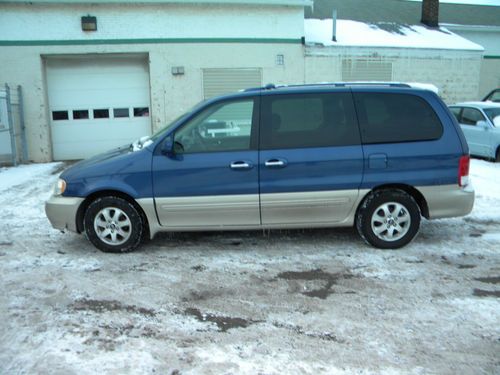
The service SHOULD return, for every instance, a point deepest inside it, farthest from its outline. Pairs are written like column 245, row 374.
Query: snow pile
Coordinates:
column 21, row 174
column 353, row 33
column 485, row 178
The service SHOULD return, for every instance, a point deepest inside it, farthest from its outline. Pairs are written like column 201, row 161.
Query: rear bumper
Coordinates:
column 61, row 212
column 448, row 200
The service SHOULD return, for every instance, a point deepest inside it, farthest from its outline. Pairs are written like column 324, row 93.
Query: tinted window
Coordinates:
column 456, row 112
column 221, row 127
column 388, row 118
column 470, row 116
column 308, row 120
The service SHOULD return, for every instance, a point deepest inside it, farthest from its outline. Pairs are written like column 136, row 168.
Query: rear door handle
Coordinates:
column 241, row 165
column 275, row 163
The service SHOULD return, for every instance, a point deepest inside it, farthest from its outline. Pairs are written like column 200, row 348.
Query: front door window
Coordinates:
column 224, row 127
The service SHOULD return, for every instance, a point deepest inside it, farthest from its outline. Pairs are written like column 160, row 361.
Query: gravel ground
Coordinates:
column 307, row 302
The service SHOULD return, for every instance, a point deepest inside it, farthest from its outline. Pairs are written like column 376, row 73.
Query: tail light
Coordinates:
column 463, row 171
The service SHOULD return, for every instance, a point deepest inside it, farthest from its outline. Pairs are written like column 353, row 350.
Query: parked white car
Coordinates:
column 480, row 122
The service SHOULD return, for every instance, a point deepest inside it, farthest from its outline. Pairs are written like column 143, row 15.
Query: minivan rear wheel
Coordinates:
column 388, row 219
column 113, row 225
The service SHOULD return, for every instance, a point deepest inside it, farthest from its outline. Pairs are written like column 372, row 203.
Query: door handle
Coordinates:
column 275, row 163
column 240, row 165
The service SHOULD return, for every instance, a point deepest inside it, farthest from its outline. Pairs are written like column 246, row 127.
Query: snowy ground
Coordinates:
column 308, row 302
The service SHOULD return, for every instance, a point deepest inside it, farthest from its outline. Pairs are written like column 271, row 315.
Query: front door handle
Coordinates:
column 241, row 165
column 275, row 163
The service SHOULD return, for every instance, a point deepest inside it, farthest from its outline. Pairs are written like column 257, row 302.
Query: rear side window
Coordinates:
column 308, row 120
column 390, row 118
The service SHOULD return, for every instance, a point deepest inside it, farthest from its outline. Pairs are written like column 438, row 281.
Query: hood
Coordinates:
column 108, row 163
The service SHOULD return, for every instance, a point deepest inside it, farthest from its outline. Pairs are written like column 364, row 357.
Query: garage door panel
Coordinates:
column 93, row 98
column 70, row 140
column 103, row 81
column 92, row 83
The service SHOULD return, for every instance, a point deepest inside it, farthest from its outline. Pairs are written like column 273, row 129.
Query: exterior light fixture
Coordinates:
column 89, row 23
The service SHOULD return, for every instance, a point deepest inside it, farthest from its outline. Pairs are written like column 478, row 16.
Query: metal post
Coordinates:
column 11, row 126
column 24, row 143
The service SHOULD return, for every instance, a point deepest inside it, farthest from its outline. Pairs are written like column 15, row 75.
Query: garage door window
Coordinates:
column 60, row 115
column 141, row 112
column 120, row 112
column 101, row 113
column 80, row 114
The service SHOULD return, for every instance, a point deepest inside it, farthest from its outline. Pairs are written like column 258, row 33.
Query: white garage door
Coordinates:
column 97, row 103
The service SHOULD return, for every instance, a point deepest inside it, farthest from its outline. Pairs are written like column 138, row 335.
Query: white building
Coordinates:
column 99, row 74
column 146, row 62
column 477, row 23
column 392, row 52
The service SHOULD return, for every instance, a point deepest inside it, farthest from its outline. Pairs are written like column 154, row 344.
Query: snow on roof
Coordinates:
column 353, row 33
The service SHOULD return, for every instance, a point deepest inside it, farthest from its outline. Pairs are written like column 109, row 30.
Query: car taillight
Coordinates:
column 463, row 171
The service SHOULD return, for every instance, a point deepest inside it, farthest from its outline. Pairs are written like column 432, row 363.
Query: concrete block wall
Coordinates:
column 455, row 73
column 490, row 75
column 489, row 38
column 173, row 95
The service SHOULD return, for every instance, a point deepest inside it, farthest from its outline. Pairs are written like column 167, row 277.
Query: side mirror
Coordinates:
column 496, row 121
column 167, row 147
column 482, row 124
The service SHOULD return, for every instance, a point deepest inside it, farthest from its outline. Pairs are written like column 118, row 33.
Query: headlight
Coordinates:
column 59, row 187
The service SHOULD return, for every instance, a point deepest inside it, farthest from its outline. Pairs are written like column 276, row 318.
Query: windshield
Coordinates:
column 492, row 113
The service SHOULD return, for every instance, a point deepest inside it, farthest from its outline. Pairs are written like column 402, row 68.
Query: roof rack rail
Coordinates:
column 271, row 86
column 355, row 83
column 372, row 83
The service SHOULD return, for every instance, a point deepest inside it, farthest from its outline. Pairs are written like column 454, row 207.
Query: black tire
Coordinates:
column 393, row 214
column 124, row 224
column 497, row 158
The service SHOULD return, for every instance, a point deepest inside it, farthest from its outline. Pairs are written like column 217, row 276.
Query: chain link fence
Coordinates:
column 13, row 147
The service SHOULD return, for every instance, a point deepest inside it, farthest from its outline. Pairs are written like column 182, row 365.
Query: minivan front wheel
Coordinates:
column 388, row 219
column 113, row 224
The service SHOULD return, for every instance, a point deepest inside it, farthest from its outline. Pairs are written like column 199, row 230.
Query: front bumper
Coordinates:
column 61, row 212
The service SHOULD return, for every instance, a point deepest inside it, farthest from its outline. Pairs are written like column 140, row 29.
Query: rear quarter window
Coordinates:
column 391, row 118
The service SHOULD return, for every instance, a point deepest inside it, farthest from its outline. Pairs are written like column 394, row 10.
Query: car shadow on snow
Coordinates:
column 255, row 239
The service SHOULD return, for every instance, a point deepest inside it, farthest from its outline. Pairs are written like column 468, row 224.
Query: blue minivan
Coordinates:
column 376, row 156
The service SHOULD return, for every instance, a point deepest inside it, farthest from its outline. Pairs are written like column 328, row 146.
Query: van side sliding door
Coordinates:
column 311, row 160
